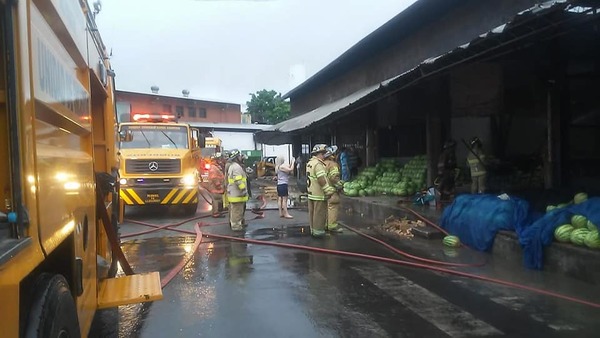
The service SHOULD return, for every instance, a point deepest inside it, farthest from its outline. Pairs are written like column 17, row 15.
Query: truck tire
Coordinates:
column 190, row 209
column 52, row 313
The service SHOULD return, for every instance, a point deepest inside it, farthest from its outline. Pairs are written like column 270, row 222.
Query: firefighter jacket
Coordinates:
column 475, row 163
column 333, row 174
column 237, row 184
column 216, row 178
column 318, row 185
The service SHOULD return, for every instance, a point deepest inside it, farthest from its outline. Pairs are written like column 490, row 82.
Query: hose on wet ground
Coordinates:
column 445, row 270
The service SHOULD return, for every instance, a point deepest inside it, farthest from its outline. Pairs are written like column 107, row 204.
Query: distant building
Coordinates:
column 187, row 109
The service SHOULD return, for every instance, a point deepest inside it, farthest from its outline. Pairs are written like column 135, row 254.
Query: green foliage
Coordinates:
column 267, row 107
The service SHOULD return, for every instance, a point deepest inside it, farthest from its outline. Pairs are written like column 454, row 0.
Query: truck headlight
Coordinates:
column 123, row 181
column 188, row 180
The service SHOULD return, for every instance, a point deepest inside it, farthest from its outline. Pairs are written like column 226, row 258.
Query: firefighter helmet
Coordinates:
column 233, row 153
column 331, row 150
column 319, row 148
column 476, row 142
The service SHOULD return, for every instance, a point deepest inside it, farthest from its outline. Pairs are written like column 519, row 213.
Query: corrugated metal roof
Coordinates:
column 519, row 27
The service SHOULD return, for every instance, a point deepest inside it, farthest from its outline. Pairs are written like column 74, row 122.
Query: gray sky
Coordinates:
column 226, row 49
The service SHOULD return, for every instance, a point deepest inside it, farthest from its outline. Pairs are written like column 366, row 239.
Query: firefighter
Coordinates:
column 476, row 161
column 333, row 176
column 237, row 190
column 446, row 170
column 216, row 186
column 319, row 190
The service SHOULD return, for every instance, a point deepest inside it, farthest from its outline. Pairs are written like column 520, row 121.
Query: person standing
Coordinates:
column 344, row 165
column 476, row 161
column 319, row 190
column 446, row 170
column 333, row 176
column 353, row 161
column 216, row 187
column 237, row 190
column 283, row 172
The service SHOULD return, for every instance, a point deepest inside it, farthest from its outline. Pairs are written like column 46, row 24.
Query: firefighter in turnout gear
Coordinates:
column 216, row 180
column 476, row 161
column 237, row 190
column 319, row 191
column 333, row 176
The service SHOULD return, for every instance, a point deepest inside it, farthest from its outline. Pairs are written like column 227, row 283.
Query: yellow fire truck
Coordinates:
column 58, row 242
column 159, row 162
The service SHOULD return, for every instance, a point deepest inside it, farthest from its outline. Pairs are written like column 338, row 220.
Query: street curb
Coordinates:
column 576, row 262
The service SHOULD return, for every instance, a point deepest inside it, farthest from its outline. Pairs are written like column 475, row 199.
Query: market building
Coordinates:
column 521, row 75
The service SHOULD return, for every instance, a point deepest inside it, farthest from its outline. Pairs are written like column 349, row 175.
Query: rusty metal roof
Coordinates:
column 527, row 26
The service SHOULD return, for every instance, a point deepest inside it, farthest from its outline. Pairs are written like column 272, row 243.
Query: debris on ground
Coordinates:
column 401, row 226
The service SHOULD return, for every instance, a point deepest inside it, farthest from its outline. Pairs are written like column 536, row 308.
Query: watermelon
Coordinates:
column 580, row 198
column 579, row 235
column 450, row 252
column 591, row 226
column 451, row 241
column 563, row 233
column 592, row 240
column 579, row 221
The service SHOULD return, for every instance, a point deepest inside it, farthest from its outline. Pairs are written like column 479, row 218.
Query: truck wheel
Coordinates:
column 190, row 209
column 52, row 313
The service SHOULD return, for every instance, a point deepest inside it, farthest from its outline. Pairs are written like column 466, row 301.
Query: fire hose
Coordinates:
column 445, row 270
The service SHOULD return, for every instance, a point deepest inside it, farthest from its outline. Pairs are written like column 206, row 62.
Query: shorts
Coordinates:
column 282, row 190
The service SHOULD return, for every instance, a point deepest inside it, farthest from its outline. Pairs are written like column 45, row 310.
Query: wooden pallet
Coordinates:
column 269, row 192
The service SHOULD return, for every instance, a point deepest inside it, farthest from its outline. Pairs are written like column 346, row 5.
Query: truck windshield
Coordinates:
column 156, row 137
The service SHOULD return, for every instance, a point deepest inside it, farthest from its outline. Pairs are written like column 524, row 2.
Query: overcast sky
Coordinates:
column 225, row 49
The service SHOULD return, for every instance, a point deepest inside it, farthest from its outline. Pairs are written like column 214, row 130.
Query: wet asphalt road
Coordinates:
column 232, row 289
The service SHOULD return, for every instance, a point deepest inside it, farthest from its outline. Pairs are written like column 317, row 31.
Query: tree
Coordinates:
column 267, row 107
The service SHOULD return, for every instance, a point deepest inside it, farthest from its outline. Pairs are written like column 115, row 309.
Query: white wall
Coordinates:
column 245, row 141
column 284, row 150
column 237, row 140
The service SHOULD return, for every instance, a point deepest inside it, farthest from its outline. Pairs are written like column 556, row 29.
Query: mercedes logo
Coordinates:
column 153, row 166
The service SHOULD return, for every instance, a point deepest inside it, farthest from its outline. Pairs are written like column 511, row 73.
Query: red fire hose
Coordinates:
column 199, row 235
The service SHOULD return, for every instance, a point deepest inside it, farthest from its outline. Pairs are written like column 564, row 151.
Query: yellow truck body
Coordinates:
column 57, row 139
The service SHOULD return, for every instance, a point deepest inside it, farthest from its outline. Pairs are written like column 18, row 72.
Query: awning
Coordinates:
column 542, row 20
column 281, row 133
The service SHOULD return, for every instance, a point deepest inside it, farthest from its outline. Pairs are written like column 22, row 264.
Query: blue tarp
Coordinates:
column 541, row 232
column 476, row 219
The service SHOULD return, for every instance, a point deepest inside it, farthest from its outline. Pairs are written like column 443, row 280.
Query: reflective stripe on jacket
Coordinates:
column 333, row 173
column 477, row 168
column 315, row 169
column 237, row 184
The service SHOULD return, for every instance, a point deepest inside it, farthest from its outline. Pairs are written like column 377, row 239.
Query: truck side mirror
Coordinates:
column 125, row 136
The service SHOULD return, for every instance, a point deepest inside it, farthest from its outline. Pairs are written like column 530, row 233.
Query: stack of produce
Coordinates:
column 387, row 177
column 580, row 231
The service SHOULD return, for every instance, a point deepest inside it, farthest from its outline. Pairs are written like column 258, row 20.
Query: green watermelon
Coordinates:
column 579, row 235
column 592, row 240
column 579, row 221
column 451, row 241
column 591, row 226
column 580, row 198
column 563, row 233
column 550, row 208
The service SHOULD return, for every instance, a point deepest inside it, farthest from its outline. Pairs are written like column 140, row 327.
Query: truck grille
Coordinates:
column 146, row 166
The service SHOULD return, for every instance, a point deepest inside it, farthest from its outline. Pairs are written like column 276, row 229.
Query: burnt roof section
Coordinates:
column 419, row 14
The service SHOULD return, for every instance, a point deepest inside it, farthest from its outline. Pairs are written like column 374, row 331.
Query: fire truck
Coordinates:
column 58, row 174
column 212, row 147
column 158, row 162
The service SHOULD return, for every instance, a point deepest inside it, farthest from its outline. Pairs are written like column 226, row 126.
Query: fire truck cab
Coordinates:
column 157, row 162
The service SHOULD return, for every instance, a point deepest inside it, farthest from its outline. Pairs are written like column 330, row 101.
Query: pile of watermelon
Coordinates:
column 388, row 177
column 580, row 231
